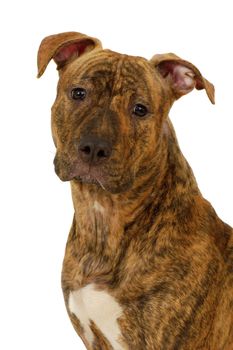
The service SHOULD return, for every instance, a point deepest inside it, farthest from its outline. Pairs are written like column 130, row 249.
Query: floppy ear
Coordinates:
column 64, row 47
column 181, row 75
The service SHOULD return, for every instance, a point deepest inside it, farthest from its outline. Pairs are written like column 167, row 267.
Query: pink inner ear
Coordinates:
column 182, row 78
column 71, row 50
column 166, row 67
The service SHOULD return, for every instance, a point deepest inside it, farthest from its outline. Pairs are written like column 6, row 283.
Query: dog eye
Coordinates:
column 140, row 110
column 78, row 93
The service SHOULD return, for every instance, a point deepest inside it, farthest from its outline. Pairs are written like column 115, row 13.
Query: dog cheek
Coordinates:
column 61, row 132
column 120, row 186
column 60, row 120
column 56, row 135
column 145, row 137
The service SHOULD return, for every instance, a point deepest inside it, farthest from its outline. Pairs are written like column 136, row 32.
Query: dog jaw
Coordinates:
column 68, row 169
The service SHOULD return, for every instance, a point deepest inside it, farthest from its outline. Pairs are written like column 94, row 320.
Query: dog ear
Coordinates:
column 181, row 75
column 63, row 48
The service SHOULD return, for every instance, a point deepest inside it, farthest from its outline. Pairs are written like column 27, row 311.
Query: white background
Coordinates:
column 36, row 209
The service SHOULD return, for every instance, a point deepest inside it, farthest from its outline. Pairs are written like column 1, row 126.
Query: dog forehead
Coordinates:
column 110, row 65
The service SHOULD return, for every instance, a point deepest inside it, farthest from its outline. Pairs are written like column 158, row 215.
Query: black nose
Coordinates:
column 94, row 150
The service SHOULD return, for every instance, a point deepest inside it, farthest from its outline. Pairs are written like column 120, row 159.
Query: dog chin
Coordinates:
column 108, row 186
column 87, row 179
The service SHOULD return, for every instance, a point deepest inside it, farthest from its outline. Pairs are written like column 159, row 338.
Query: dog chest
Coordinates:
column 91, row 305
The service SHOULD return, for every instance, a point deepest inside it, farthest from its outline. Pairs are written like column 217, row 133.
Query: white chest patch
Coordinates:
column 88, row 304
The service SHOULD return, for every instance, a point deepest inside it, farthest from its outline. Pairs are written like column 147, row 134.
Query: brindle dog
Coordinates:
column 148, row 263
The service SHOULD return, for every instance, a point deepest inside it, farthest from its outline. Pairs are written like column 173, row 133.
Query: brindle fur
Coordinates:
column 159, row 248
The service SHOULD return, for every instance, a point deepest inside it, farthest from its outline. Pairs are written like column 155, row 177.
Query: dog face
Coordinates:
column 109, row 114
column 106, row 120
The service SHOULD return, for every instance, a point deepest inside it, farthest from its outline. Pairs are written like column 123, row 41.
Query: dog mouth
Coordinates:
column 109, row 180
column 89, row 179
column 82, row 173
column 85, row 179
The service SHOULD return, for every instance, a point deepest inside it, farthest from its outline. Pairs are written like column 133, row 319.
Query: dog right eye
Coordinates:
column 140, row 110
column 78, row 94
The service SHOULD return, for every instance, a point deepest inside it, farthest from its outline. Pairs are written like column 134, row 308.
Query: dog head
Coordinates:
column 107, row 119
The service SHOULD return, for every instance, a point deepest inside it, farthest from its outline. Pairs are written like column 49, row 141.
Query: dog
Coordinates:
column 148, row 263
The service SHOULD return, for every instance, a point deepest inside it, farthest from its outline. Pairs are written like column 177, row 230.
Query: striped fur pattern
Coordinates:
column 142, row 234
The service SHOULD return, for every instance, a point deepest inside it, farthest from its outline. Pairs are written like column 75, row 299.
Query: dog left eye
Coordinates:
column 140, row 110
column 78, row 94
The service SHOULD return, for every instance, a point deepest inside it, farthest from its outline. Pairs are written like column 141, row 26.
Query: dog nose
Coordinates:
column 94, row 150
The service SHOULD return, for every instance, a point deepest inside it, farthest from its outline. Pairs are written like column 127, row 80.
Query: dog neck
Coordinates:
column 105, row 220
